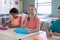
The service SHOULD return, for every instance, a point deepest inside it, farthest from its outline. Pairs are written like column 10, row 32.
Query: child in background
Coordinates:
column 55, row 27
column 31, row 21
column 15, row 21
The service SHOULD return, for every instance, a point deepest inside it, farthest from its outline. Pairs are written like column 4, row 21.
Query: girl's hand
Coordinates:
column 48, row 33
column 56, row 34
column 31, row 30
column 3, row 25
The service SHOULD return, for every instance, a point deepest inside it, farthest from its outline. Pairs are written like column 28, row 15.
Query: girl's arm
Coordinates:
column 56, row 34
column 7, row 24
column 24, row 24
column 34, row 30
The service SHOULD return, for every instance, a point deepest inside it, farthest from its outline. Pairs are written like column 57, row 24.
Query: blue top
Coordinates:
column 55, row 27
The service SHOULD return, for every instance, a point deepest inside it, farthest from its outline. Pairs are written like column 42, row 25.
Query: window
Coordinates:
column 43, row 6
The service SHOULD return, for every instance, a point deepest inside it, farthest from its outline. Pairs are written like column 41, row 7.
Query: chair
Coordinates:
column 44, row 26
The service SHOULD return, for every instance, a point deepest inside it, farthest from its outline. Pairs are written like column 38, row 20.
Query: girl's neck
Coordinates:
column 32, row 17
column 16, row 17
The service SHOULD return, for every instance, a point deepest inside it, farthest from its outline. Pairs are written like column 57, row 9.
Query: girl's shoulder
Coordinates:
column 26, row 16
column 37, row 18
column 20, row 17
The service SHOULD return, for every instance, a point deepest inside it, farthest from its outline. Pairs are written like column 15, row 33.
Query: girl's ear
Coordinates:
column 10, row 16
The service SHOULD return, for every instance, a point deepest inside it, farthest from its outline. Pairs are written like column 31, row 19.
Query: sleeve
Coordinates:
column 21, row 19
column 52, row 27
column 24, row 19
column 37, row 21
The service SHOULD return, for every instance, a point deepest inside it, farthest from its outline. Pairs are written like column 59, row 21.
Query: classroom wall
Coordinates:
column 26, row 3
column 55, row 4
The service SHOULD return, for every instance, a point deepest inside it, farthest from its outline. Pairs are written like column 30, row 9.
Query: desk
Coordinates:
column 11, row 35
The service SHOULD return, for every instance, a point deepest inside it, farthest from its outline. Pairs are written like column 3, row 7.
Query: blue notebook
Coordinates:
column 21, row 30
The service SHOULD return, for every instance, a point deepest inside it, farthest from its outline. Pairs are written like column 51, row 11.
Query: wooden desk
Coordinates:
column 11, row 35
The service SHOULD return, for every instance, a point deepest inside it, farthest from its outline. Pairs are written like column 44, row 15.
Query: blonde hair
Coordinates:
column 35, row 13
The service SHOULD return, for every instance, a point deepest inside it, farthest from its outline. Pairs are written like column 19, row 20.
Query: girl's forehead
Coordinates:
column 31, row 6
column 58, row 9
column 13, row 14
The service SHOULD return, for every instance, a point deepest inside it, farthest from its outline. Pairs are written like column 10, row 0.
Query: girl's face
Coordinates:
column 31, row 10
column 14, row 15
column 59, row 13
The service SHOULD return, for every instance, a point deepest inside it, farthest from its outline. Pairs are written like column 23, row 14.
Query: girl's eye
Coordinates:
column 30, row 10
